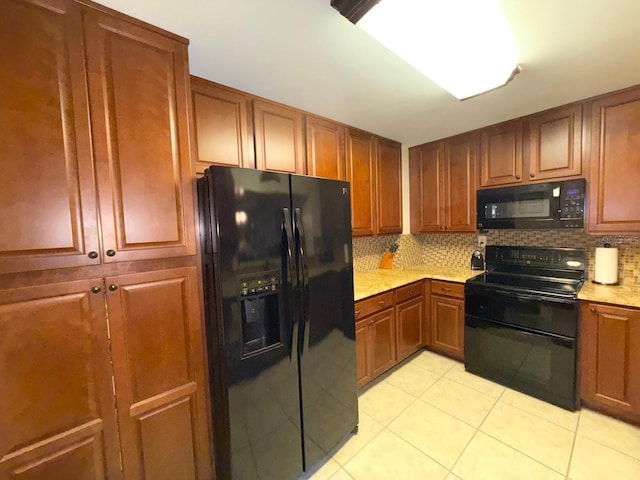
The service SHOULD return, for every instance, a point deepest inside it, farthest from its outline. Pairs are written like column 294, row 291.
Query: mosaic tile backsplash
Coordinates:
column 455, row 250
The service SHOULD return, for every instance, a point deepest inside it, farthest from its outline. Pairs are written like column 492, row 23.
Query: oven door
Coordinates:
column 541, row 365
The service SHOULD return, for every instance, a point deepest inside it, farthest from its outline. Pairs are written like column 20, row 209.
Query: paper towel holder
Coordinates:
column 607, row 245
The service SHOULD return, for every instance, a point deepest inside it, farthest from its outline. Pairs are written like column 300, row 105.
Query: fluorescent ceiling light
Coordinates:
column 465, row 46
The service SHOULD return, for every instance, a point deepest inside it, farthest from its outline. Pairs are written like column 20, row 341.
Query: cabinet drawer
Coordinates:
column 373, row 304
column 408, row 292
column 447, row 288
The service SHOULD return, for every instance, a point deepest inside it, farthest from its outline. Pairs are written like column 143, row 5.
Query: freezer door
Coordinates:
column 250, row 282
column 322, row 226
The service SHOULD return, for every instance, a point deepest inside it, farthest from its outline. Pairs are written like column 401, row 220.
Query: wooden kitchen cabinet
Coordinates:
column 57, row 411
column 138, row 92
column 614, row 195
column 140, row 171
column 555, row 144
column 375, row 336
column 501, row 154
column 389, row 186
column 47, row 190
column 409, row 320
column 223, row 126
column 375, row 173
column 447, row 318
column 279, row 137
column 325, row 148
column 610, row 359
column 95, row 177
column 443, row 185
column 159, row 379
column 361, row 173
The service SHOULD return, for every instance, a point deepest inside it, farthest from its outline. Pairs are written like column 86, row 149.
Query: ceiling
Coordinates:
column 305, row 54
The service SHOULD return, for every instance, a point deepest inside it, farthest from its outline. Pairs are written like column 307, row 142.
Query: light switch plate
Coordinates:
column 482, row 241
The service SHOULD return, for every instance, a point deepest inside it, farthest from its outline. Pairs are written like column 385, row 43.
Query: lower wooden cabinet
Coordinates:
column 610, row 360
column 378, row 354
column 409, row 320
column 56, row 409
column 447, row 318
column 103, row 379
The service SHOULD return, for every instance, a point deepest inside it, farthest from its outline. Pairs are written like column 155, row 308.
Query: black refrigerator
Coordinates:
column 278, row 285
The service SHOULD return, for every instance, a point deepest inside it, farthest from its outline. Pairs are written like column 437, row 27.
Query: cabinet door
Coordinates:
column 426, row 319
column 159, row 382
column 279, row 138
column 461, row 184
column 409, row 321
column 615, row 163
column 222, row 126
column 361, row 173
column 363, row 354
column 325, row 148
column 447, row 326
column 383, row 342
column 611, row 359
column 427, row 187
column 501, row 154
column 389, row 186
column 56, row 408
column 47, row 193
column 139, row 90
column 555, row 144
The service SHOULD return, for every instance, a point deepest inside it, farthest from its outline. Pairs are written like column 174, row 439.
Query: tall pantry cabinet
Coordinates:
column 101, row 359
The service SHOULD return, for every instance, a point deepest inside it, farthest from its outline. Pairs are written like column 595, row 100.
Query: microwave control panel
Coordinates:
column 572, row 200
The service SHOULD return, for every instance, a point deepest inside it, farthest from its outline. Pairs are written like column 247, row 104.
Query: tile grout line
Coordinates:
column 476, row 432
column 573, row 445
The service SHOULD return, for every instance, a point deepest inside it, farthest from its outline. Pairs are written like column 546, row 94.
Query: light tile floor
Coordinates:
column 429, row 419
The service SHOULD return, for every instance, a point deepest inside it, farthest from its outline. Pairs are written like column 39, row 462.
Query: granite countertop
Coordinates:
column 372, row 282
column 623, row 295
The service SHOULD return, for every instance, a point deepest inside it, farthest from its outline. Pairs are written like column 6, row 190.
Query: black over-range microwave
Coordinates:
column 534, row 206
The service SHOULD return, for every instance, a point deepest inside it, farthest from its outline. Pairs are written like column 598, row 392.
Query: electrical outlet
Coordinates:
column 482, row 241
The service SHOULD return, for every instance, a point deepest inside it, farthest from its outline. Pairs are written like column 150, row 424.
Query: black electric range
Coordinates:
column 521, row 320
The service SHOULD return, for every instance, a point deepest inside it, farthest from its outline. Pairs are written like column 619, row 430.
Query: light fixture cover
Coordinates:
column 465, row 46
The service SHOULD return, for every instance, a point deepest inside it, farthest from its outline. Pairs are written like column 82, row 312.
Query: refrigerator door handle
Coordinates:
column 304, row 273
column 288, row 258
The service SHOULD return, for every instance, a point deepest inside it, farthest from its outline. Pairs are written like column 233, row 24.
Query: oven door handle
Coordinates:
column 533, row 297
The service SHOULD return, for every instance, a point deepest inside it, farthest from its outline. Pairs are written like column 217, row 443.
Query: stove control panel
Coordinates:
column 557, row 258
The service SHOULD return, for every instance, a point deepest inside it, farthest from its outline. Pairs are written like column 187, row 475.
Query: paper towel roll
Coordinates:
column 606, row 269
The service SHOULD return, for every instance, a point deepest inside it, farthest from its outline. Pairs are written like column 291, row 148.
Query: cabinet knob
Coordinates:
column 111, row 253
column 532, row 175
column 593, row 309
column 93, row 255
column 382, row 303
column 446, row 289
column 518, row 177
column 410, row 292
column 95, row 289
column 357, row 312
column 113, row 287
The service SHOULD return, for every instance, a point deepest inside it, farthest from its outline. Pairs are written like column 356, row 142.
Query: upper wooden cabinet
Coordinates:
column 223, row 126
column 555, row 143
column 138, row 92
column 540, row 147
column 501, row 154
column 375, row 172
column 614, row 195
column 137, row 140
column 442, row 183
column 361, row 173
column 610, row 359
column 325, row 148
column 279, row 137
column 47, row 191
column 389, row 186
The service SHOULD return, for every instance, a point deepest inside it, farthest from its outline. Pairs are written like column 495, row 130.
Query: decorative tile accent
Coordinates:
column 454, row 249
